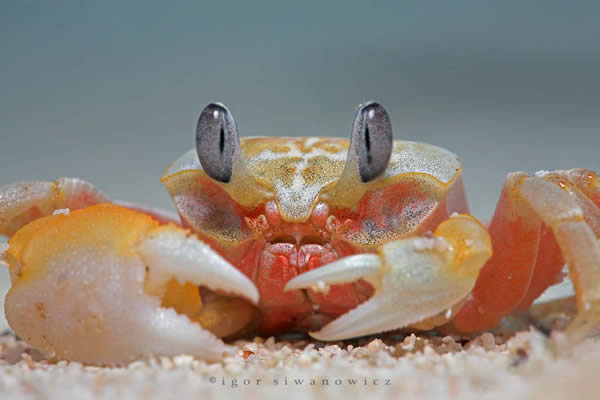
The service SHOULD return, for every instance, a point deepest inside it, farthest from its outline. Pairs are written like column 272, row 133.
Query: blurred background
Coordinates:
column 110, row 92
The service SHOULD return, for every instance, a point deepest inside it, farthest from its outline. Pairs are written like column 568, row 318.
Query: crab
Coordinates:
column 338, row 238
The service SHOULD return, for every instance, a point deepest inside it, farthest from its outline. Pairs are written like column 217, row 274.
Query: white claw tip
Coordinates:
column 344, row 270
column 174, row 254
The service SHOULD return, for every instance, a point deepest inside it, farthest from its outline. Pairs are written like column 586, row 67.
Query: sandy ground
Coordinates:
column 522, row 365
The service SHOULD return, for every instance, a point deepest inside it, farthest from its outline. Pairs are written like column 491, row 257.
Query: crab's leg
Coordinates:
column 107, row 285
column 540, row 223
column 583, row 187
column 23, row 202
column 587, row 181
column 414, row 278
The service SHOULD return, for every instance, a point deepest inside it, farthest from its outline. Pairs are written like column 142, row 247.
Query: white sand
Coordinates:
column 415, row 367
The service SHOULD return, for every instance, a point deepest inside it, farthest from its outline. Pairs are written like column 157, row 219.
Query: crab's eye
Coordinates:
column 371, row 140
column 217, row 142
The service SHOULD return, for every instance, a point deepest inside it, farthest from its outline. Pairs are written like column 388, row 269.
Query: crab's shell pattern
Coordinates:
column 295, row 171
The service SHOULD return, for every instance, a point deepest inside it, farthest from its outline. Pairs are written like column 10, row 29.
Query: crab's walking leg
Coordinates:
column 21, row 203
column 540, row 223
column 414, row 278
column 587, row 181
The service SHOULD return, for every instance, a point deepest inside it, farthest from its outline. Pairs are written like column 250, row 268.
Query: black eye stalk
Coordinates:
column 217, row 142
column 371, row 140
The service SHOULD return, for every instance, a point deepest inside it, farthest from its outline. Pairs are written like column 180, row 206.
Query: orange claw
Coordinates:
column 106, row 284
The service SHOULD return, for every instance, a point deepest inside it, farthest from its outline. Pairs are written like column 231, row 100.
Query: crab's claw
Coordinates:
column 415, row 279
column 106, row 285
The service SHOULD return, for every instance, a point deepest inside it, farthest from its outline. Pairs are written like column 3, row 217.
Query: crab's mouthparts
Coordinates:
column 273, row 228
column 300, row 257
column 299, row 240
